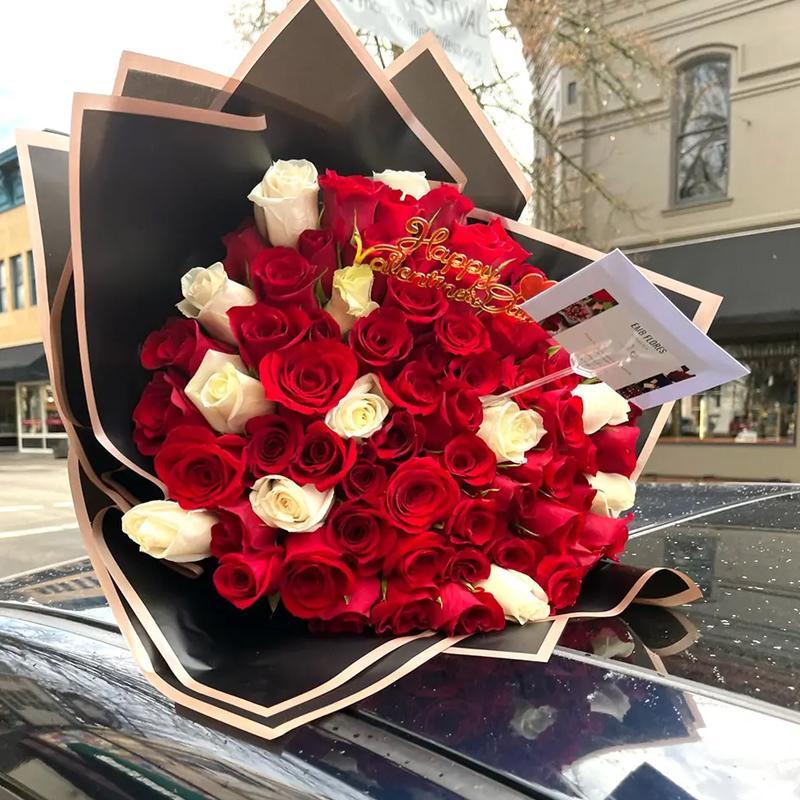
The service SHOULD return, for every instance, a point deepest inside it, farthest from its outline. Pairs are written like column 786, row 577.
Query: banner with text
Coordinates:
column 462, row 27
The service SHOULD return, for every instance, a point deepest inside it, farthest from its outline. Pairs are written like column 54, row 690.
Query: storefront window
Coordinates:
column 52, row 419
column 8, row 417
column 31, row 420
column 760, row 408
column 39, row 422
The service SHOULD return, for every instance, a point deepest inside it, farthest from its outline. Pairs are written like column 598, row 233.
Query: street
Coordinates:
column 37, row 522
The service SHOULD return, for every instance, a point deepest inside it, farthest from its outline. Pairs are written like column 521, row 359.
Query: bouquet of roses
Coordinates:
column 343, row 420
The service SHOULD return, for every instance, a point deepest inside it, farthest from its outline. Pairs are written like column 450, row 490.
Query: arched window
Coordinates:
column 702, row 151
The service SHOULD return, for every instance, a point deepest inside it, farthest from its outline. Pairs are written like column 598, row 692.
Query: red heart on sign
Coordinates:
column 533, row 284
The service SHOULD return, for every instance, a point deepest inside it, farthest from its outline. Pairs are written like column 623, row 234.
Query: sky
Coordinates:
column 53, row 48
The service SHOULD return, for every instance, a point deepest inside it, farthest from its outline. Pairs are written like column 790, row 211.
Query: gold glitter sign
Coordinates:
column 483, row 292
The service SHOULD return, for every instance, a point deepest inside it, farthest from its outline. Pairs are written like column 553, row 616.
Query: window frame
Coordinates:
column 676, row 134
column 30, row 266
column 17, row 281
column 3, row 287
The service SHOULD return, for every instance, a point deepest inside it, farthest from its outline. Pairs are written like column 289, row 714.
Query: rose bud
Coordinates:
column 285, row 202
column 601, row 406
column 615, row 493
column 351, row 296
column 281, row 503
column 208, row 294
column 225, row 394
column 361, row 412
column 521, row 598
column 162, row 529
column 510, row 431
column 409, row 183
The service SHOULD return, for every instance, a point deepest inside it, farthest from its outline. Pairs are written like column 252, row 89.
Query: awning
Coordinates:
column 25, row 362
column 758, row 275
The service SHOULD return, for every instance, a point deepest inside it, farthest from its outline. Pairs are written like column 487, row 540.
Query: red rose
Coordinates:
column 350, row 615
column 448, row 204
column 382, row 338
column 322, row 326
column 475, row 521
column 391, row 215
column 416, row 388
column 242, row 246
column 470, row 460
column 367, row 478
column 605, row 536
column 489, row 243
column 514, row 337
column 531, row 473
column 162, row 406
column 323, row 459
column 272, row 442
column 260, row 329
column 400, row 437
column 315, row 579
column 319, row 249
column 418, row 561
column 560, row 576
column 505, row 492
column 199, row 469
column 360, row 532
column 303, row 379
column 616, row 448
column 240, row 530
column 420, row 304
column 480, row 371
column 459, row 410
column 559, row 477
column 461, row 333
column 348, row 203
column 465, row 612
column 402, row 612
column 178, row 343
column 467, row 564
column 516, row 552
column 281, row 276
column 563, row 418
column 581, row 496
column 242, row 579
column 553, row 522
column 420, row 494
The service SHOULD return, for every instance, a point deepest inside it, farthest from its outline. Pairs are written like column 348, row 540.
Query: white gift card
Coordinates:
column 617, row 325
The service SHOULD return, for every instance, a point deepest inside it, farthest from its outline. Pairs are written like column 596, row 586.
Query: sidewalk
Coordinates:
column 37, row 521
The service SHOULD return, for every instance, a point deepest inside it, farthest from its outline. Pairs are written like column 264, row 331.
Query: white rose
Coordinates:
column 285, row 202
column 601, row 406
column 521, row 598
column 208, row 293
column 351, row 296
column 162, row 529
column 225, row 394
column 361, row 412
column 615, row 493
column 511, row 431
column 409, row 183
column 281, row 503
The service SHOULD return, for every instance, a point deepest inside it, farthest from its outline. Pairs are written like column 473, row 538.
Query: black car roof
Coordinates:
column 585, row 720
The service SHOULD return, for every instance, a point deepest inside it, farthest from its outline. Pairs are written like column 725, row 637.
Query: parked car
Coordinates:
column 720, row 720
